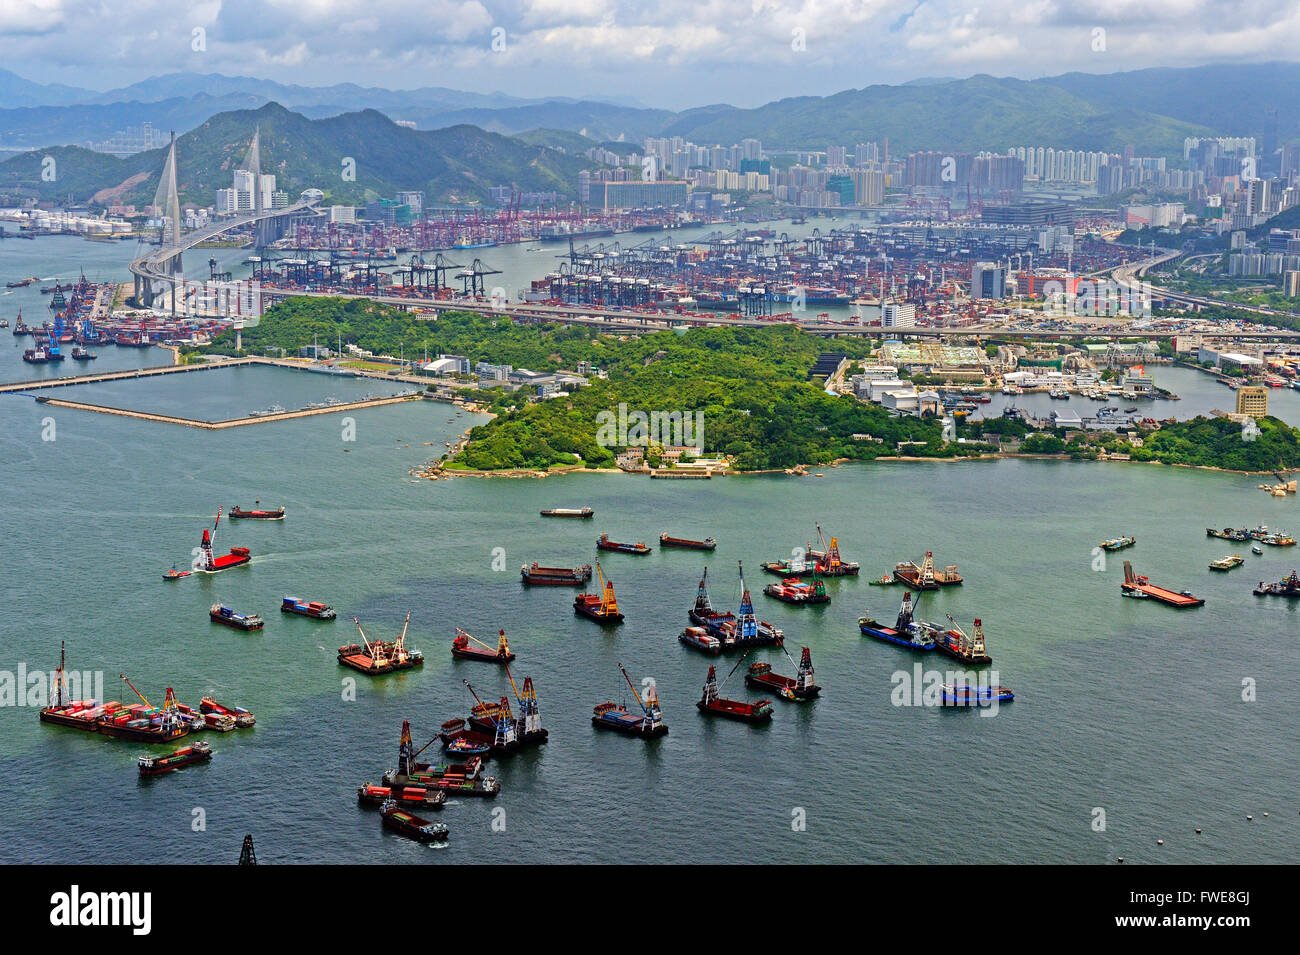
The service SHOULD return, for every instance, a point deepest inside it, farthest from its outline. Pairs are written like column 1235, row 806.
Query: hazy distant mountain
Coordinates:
column 457, row 164
column 16, row 91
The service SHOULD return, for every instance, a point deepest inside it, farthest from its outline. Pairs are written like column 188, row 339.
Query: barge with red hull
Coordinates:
column 601, row 607
column 744, row 629
column 648, row 724
column 794, row 591
column 406, row 823
column 140, row 722
column 535, row 575
column 199, row 752
column 463, row 779
column 208, row 563
column 411, row 797
column 707, row 544
column 956, row 643
column 581, row 513
column 712, row 703
column 377, row 657
column 307, row 608
column 923, row 576
column 1138, row 586
column 800, row 687
column 227, row 617
column 241, row 717
column 256, row 513
column 604, row 543
column 825, row 562
column 463, row 647
column 700, row 639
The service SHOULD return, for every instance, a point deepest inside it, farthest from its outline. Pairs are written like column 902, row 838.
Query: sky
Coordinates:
column 664, row 53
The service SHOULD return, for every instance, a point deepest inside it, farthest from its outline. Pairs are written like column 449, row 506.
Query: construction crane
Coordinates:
column 528, row 709
column 650, row 705
column 503, row 720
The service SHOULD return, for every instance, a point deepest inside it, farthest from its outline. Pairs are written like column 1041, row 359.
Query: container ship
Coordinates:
column 711, row 702
column 1287, row 587
column 707, row 544
column 579, row 512
column 601, row 607
column 957, row 644
column 242, row 717
column 406, row 823
column 1140, row 587
column 924, row 576
column 963, row 694
column 219, row 613
column 647, row 724
column 257, row 514
column 794, row 591
column 467, row 647
column 207, row 563
column 604, row 543
column 903, row 633
column 409, row 797
column 139, row 722
column 307, row 608
column 800, row 687
column 535, row 575
column 377, row 657
column 199, row 752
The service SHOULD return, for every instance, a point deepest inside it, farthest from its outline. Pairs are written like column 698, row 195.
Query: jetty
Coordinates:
column 228, row 422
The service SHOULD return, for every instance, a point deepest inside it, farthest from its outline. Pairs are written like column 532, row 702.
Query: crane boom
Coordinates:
column 134, row 690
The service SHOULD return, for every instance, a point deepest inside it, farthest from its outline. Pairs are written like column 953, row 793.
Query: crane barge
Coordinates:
column 798, row 689
column 648, row 725
column 501, row 653
column 601, row 607
column 207, row 563
column 377, row 657
column 712, row 702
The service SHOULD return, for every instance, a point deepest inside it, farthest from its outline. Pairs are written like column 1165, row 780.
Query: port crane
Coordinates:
column 527, row 700
column 171, row 715
column 649, row 706
column 381, row 652
column 503, row 720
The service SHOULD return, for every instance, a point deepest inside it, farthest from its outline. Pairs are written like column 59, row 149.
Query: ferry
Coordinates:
column 259, row 514
column 701, row 639
column 903, row 633
column 1227, row 563
column 957, row 644
column 314, row 608
column 218, row 613
column 707, row 544
column 463, row 647
column 536, row 575
column 411, row 797
column 924, row 576
column 713, row 704
column 799, row 688
column 410, row 825
column 1118, row 543
column 794, row 591
column 601, row 607
column 199, row 752
column 377, row 657
column 1288, row 587
column 604, row 543
column 963, row 694
column 648, row 724
column 579, row 512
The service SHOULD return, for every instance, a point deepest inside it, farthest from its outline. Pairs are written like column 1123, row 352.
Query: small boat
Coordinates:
column 1287, row 587
column 798, row 688
column 648, row 724
column 258, row 514
column 601, row 607
column 884, row 580
column 1227, row 563
column 175, row 574
column 1118, row 543
column 707, row 544
column 463, row 646
column 82, row 354
column 411, row 797
column 604, row 543
column 1256, row 548
column 579, row 512
column 712, row 703
column 218, row 613
column 464, row 745
column 536, row 575
column 701, row 640
column 410, row 825
column 314, row 609
column 199, row 752
column 963, row 694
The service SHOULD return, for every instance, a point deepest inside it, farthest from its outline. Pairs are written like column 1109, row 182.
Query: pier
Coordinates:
column 42, row 383
column 229, row 422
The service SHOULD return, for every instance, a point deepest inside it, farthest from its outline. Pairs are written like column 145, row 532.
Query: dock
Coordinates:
column 228, row 422
column 70, row 380
column 1138, row 586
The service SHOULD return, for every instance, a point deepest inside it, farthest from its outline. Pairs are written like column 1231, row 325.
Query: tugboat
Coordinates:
column 601, row 607
column 314, row 609
column 1227, row 563
column 701, row 640
column 458, row 741
column 501, row 653
column 802, row 687
column 82, row 354
column 208, row 564
column 378, row 657
column 199, row 752
column 410, row 825
column 409, row 797
column 963, row 694
column 218, row 613
column 707, row 544
column 712, row 703
column 794, row 591
column 536, row 575
column 884, row 580
column 578, row 512
column 924, row 576
column 956, row 644
column 903, row 633
column 1118, row 543
column 604, row 543
column 1287, row 587
column 648, row 725
column 253, row 513
column 243, row 719
column 175, row 574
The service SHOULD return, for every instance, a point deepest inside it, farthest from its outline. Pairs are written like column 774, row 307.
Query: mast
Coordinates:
column 405, row 756
column 702, row 602
column 927, row 570
column 747, row 626
column 59, row 701
column 904, row 613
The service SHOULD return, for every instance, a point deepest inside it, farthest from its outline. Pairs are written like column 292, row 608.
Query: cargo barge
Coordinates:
column 199, row 752
column 314, row 608
column 219, row 613
column 702, row 640
column 1287, row 587
column 207, row 563
column 712, row 703
column 535, row 575
column 799, row 688
column 377, row 657
column 486, row 719
column 257, row 514
column 904, row 632
column 648, row 724
column 466, row 779
column 1118, row 543
column 406, row 823
column 241, row 717
column 956, row 643
column 794, row 591
column 578, row 512
column 1139, row 587
column 826, row 561
column 702, row 613
column 707, row 544
column 139, row 722
column 963, row 694
column 734, row 630
column 410, row 797
column 604, row 543
column 601, row 607
column 463, row 647
column 924, row 576
column 1227, row 563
